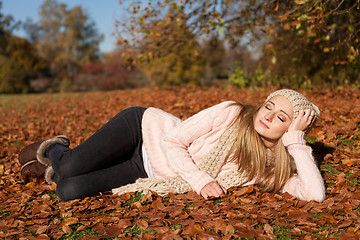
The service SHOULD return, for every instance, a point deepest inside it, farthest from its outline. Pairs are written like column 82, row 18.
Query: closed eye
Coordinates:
column 281, row 119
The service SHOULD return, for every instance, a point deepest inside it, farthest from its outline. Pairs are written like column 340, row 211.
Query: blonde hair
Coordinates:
column 270, row 168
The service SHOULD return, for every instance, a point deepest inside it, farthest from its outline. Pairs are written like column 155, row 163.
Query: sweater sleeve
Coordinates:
column 308, row 183
column 178, row 140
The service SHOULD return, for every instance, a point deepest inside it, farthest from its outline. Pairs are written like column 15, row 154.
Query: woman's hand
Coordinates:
column 212, row 189
column 303, row 121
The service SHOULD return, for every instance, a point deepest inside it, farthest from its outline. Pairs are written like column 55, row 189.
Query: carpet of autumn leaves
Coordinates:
column 33, row 211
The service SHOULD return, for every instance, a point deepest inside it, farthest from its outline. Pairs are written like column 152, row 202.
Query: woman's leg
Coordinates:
column 93, row 183
column 110, row 145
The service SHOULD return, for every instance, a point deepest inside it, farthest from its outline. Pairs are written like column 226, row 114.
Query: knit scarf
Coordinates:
column 211, row 164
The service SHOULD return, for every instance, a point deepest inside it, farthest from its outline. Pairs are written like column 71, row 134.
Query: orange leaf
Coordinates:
column 69, row 221
column 157, row 205
column 142, row 224
column 66, row 229
column 123, row 223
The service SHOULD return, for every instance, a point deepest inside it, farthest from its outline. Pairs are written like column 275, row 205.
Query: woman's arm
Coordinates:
column 182, row 136
column 308, row 183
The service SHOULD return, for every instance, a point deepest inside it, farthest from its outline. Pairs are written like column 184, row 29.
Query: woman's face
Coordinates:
column 273, row 119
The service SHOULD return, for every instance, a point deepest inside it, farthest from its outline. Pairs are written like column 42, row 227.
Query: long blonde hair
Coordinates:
column 270, row 168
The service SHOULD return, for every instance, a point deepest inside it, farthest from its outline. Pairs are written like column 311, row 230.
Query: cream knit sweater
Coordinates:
column 179, row 153
column 211, row 165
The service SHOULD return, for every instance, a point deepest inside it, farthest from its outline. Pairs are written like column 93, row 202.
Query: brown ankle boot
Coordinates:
column 33, row 161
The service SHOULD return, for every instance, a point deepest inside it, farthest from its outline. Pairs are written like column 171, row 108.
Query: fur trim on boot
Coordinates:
column 49, row 174
column 32, row 157
column 40, row 154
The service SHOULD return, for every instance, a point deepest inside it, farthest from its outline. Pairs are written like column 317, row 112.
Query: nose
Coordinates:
column 269, row 117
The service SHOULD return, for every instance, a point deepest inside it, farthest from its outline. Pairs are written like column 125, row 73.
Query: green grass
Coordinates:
column 4, row 213
column 29, row 232
column 330, row 169
column 282, row 232
column 52, row 194
column 138, row 196
column 23, row 101
column 352, row 182
column 79, row 234
column 165, row 199
column 174, row 227
column 315, row 215
column 135, row 230
column 310, row 140
column 16, row 143
column 186, row 208
column 19, row 101
column 217, row 201
column 51, row 222
column 345, row 141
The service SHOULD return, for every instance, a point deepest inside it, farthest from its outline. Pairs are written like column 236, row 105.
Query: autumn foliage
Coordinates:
column 294, row 43
column 33, row 211
column 102, row 76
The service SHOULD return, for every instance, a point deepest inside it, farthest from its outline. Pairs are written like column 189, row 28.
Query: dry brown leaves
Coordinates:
column 32, row 210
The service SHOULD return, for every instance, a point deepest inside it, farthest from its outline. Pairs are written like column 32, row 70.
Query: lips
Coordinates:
column 263, row 124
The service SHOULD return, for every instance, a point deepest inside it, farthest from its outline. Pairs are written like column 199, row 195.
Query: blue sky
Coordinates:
column 102, row 12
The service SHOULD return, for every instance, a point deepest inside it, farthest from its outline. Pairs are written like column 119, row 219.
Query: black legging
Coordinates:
column 110, row 158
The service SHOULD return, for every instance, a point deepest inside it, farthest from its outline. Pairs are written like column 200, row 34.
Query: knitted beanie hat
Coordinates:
column 297, row 100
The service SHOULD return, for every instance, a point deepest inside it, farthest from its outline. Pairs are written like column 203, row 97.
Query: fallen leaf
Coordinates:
column 66, row 229
column 41, row 230
column 69, row 221
column 34, row 206
column 268, row 229
column 142, row 224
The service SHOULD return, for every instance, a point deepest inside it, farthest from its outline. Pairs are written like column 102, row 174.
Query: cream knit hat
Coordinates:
column 297, row 100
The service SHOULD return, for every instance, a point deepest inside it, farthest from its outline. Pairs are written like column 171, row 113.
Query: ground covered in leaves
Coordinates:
column 33, row 211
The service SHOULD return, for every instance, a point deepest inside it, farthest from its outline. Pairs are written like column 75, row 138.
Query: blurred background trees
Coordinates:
column 19, row 63
column 53, row 55
column 66, row 39
column 297, row 43
column 293, row 43
column 171, row 54
column 317, row 42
